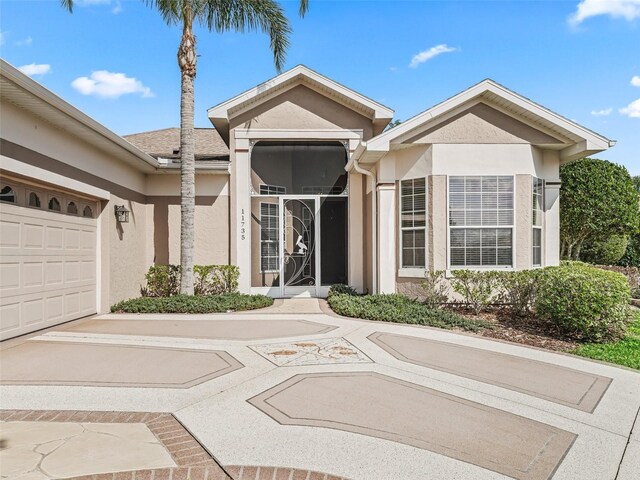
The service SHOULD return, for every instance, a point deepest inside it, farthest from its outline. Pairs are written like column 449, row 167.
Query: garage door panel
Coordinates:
column 47, row 268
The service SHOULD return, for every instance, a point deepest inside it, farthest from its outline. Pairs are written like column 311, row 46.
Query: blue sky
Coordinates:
column 116, row 59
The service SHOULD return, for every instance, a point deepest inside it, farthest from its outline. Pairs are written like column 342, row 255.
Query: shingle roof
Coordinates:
column 165, row 143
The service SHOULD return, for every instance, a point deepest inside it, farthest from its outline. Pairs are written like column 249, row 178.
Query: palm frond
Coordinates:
column 304, row 7
column 67, row 4
column 250, row 15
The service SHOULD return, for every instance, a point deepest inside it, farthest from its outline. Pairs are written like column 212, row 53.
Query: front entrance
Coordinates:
column 299, row 218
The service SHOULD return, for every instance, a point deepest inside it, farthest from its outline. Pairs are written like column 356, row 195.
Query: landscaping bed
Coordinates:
column 228, row 302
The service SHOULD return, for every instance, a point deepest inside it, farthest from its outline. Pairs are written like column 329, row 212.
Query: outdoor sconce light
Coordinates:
column 122, row 214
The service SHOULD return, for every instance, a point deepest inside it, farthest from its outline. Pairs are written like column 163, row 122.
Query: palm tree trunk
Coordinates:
column 187, row 63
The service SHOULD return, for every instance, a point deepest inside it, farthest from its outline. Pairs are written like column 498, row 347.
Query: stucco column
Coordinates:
column 387, row 238
column 437, row 231
column 241, row 214
column 355, row 232
column 523, row 222
column 551, row 223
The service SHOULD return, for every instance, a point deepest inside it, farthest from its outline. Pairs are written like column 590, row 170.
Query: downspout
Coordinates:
column 374, row 225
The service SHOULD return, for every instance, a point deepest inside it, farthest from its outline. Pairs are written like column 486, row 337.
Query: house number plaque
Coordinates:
column 243, row 223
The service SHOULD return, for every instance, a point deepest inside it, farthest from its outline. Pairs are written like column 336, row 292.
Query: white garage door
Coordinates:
column 47, row 258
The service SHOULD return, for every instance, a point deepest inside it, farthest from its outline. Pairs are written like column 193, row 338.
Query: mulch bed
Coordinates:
column 524, row 330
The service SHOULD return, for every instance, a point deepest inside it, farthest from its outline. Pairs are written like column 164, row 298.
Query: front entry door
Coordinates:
column 300, row 247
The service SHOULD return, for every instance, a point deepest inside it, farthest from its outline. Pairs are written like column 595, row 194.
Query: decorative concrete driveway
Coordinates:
column 294, row 393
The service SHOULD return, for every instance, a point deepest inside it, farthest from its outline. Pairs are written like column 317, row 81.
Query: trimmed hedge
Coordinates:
column 400, row 309
column 584, row 302
column 164, row 280
column 193, row 304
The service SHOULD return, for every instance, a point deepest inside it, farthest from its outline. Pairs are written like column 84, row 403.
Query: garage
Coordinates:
column 48, row 246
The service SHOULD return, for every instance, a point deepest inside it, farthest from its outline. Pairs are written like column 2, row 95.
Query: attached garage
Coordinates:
column 48, row 257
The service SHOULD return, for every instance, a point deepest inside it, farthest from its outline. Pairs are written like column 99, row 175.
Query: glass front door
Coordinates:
column 299, row 246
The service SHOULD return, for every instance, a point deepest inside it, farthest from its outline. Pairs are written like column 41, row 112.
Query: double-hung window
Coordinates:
column 481, row 220
column 537, row 220
column 269, row 238
column 413, row 216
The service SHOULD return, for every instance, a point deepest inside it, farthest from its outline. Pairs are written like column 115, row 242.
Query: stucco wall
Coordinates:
column 302, row 108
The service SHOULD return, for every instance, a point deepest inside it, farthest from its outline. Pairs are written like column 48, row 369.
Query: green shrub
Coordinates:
column 162, row 281
column 341, row 289
column 401, row 309
column 632, row 274
column 631, row 257
column 215, row 279
column 434, row 290
column 478, row 288
column 583, row 301
column 518, row 289
column 193, row 304
column 608, row 251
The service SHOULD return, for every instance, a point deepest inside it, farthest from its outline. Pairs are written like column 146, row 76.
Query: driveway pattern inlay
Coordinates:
column 205, row 329
column 311, row 352
column 380, row 406
column 573, row 388
column 95, row 364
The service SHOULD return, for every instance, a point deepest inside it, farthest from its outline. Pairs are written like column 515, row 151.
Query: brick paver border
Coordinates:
column 192, row 459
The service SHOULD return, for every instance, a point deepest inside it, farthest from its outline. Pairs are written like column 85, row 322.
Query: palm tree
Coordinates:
column 220, row 16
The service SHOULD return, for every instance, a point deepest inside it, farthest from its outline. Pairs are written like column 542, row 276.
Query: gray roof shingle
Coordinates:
column 165, row 143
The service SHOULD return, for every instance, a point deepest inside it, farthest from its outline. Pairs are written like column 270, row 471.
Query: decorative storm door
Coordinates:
column 299, row 252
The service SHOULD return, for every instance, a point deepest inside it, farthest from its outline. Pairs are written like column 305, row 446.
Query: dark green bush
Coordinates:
column 478, row 288
column 193, row 304
column 631, row 257
column 162, row 281
column 585, row 302
column 341, row 289
column 518, row 289
column 215, row 279
column 401, row 309
column 608, row 251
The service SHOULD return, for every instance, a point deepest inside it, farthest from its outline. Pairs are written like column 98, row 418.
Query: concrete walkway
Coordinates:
column 293, row 392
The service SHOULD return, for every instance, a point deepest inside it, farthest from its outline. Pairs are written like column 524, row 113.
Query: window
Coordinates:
column 269, row 238
column 481, row 221
column 537, row 218
column 87, row 212
column 72, row 208
column 54, row 204
column 272, row 190
column 8, row 194
column 413, row 222
column 34, row 200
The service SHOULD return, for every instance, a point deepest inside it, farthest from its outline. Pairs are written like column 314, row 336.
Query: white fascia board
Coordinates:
column 221, row 111
column 42, row 94
column 383, row 141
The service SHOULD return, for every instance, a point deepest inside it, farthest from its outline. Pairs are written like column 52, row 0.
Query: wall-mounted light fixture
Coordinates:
column 122, row 214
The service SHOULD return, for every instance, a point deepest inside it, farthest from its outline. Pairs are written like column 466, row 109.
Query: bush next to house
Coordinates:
column 607, row 251
column 584, row 302
column 478, row 288
column 340, row 288
column 518, row 289
column 401, row 309
column 193, row 304
column 434, row 289
column 164, row 280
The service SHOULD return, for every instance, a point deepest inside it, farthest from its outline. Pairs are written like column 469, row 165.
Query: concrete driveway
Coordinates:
column 295, row 392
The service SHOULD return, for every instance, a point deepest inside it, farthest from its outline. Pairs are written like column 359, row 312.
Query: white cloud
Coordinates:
column 602, row 113
column 627, row 9
column 25, row 43
column 632, row 110
column 35, row 69
column 105, row 84
column 429, row 54
column 635, row 81
column 117, row 8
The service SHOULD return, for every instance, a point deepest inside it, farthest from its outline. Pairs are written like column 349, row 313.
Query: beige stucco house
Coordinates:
column 298, row 184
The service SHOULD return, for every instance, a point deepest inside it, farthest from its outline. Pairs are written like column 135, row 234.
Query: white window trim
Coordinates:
column 277, row 242
column 271, row 194
column 479, row 268
column 541, row 227
column 413, row 271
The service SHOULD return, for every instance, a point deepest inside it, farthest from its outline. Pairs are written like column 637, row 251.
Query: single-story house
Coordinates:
column 299, row 184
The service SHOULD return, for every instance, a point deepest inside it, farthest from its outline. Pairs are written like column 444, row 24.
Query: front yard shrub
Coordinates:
column 632, row 274
column 478, row 288
column 607, row 251
column 434, row 289
column 518, row 289
column 584, row 302
column 401, row 309
column 215, row 279
column 162, row 281
column 193, row 304
column 340, row 288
